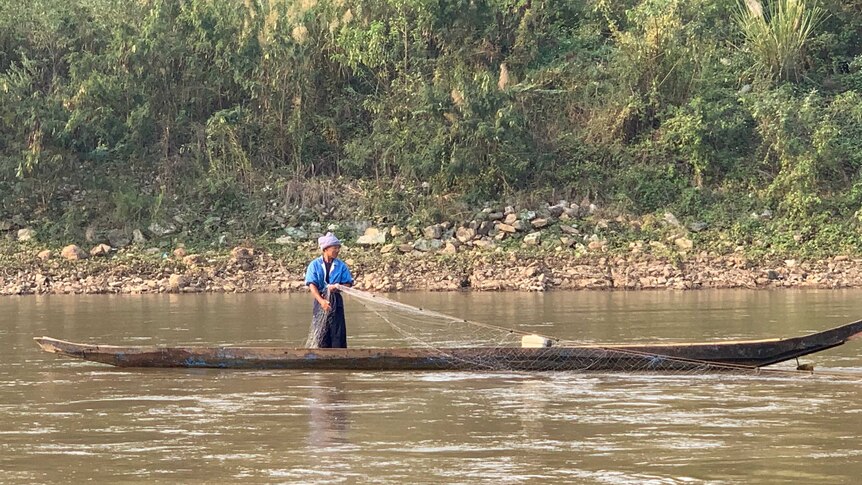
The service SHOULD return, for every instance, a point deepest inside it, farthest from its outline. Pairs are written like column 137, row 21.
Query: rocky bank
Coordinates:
column 564, row 246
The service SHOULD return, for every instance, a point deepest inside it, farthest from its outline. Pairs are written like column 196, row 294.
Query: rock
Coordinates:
column 405, row 248
column 152, row 251
column 372, row 237
column 772, row 274
column 506, row 228
column 465, row 234
column 296, row 233
column 485, row 228
column 602, row 224
column 510, row 219
column 73, row 252
column 572, row 212
column 530, row 272
column 766, row 214
column 45, row 255
column 527, row 215
column 539, row 223
column 5, row 226
column 395, row 231
column 570, row 230
column 557, row 210
column 177, row 282
column 519, row 226
column 495, row 216
column 284, row 240
column 26, row 234
column 433, row 232
column 193, row 260
column 388, row 248
column 697, row 226
column 595, row 245
column 180, row 253
column 241, row 254
column 684, row 244
column 671, row 219
column 449, row 248
column 138, row 237
column 790, row 263
column 118, row 238
column 483, row 244
column 533, row 239
column 159, row 230
column 100, row 250
column 427, row 245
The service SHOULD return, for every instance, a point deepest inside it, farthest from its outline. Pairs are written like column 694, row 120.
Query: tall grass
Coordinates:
column 778, row 35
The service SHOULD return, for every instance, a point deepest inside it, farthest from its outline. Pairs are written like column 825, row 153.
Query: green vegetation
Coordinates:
column 233, row 114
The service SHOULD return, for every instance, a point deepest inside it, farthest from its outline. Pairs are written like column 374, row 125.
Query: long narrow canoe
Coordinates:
column 650, row 357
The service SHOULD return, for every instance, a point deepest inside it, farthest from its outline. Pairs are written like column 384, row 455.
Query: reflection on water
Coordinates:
column 63, row 420
column 328, row 412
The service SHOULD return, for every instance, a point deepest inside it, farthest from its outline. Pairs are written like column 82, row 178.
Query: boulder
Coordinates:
column 506, row 228
column 557, row 210
column 427, row 245
column 100, row 250
column 180, row 253
column 519, row 225
column 73, row 253
column 296, row 233
column 671, row 219
column 433, row 232
column 372, row 237
column 45, row 255
column 533, row 239
column 483, row 244
column 510, row 218
column 496, row 216
column 138, row 237
column 539, row 223
column 177, row 282
column 449, row 248
column 118, row 238
column 465, row 234
column 684, row 243
column 570, row 230
column 193, row 260
column 26, row 234
column 160, row 230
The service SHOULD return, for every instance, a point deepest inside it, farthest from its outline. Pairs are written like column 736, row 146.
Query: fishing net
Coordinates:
column 321, row 322
column 455, row 343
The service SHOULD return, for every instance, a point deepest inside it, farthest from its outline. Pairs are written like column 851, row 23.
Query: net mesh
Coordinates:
column 456, row 343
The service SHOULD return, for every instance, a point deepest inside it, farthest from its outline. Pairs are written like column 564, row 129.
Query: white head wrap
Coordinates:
column 328, row 240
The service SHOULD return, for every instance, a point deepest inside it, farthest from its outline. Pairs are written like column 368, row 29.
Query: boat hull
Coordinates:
column 659, row 357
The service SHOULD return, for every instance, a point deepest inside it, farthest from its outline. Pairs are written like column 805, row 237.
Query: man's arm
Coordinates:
column 324, row 303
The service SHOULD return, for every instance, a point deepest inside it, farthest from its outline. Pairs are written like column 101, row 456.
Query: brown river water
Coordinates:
column 68, row 421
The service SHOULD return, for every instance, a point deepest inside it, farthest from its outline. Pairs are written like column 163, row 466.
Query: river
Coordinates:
column 65, row 421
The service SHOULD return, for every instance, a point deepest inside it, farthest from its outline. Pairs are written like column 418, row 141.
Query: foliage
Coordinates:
column 778, row 35
column 115, row 113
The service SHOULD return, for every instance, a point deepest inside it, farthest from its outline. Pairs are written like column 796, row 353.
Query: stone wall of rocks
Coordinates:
column 247, row 269
column 563, row 246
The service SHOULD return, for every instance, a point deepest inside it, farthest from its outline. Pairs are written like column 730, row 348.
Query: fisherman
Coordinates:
column 324, row 276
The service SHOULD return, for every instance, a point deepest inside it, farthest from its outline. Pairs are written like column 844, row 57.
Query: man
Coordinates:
column 323, row 277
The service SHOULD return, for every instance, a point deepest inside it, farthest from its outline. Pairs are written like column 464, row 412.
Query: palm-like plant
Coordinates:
column 777, row 36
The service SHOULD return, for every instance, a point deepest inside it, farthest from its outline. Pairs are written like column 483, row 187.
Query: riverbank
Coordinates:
column 254, row 269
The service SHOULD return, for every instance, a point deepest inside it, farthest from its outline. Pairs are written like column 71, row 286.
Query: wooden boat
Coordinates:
column 632, row 357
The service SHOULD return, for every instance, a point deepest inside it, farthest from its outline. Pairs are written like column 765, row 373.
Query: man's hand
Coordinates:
column 335, row 287
column 327, row 307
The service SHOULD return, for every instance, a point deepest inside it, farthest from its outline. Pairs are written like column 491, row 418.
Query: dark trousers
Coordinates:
column 333, row 333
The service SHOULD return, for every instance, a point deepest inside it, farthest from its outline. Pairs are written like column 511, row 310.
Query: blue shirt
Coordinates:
column 338, row 273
